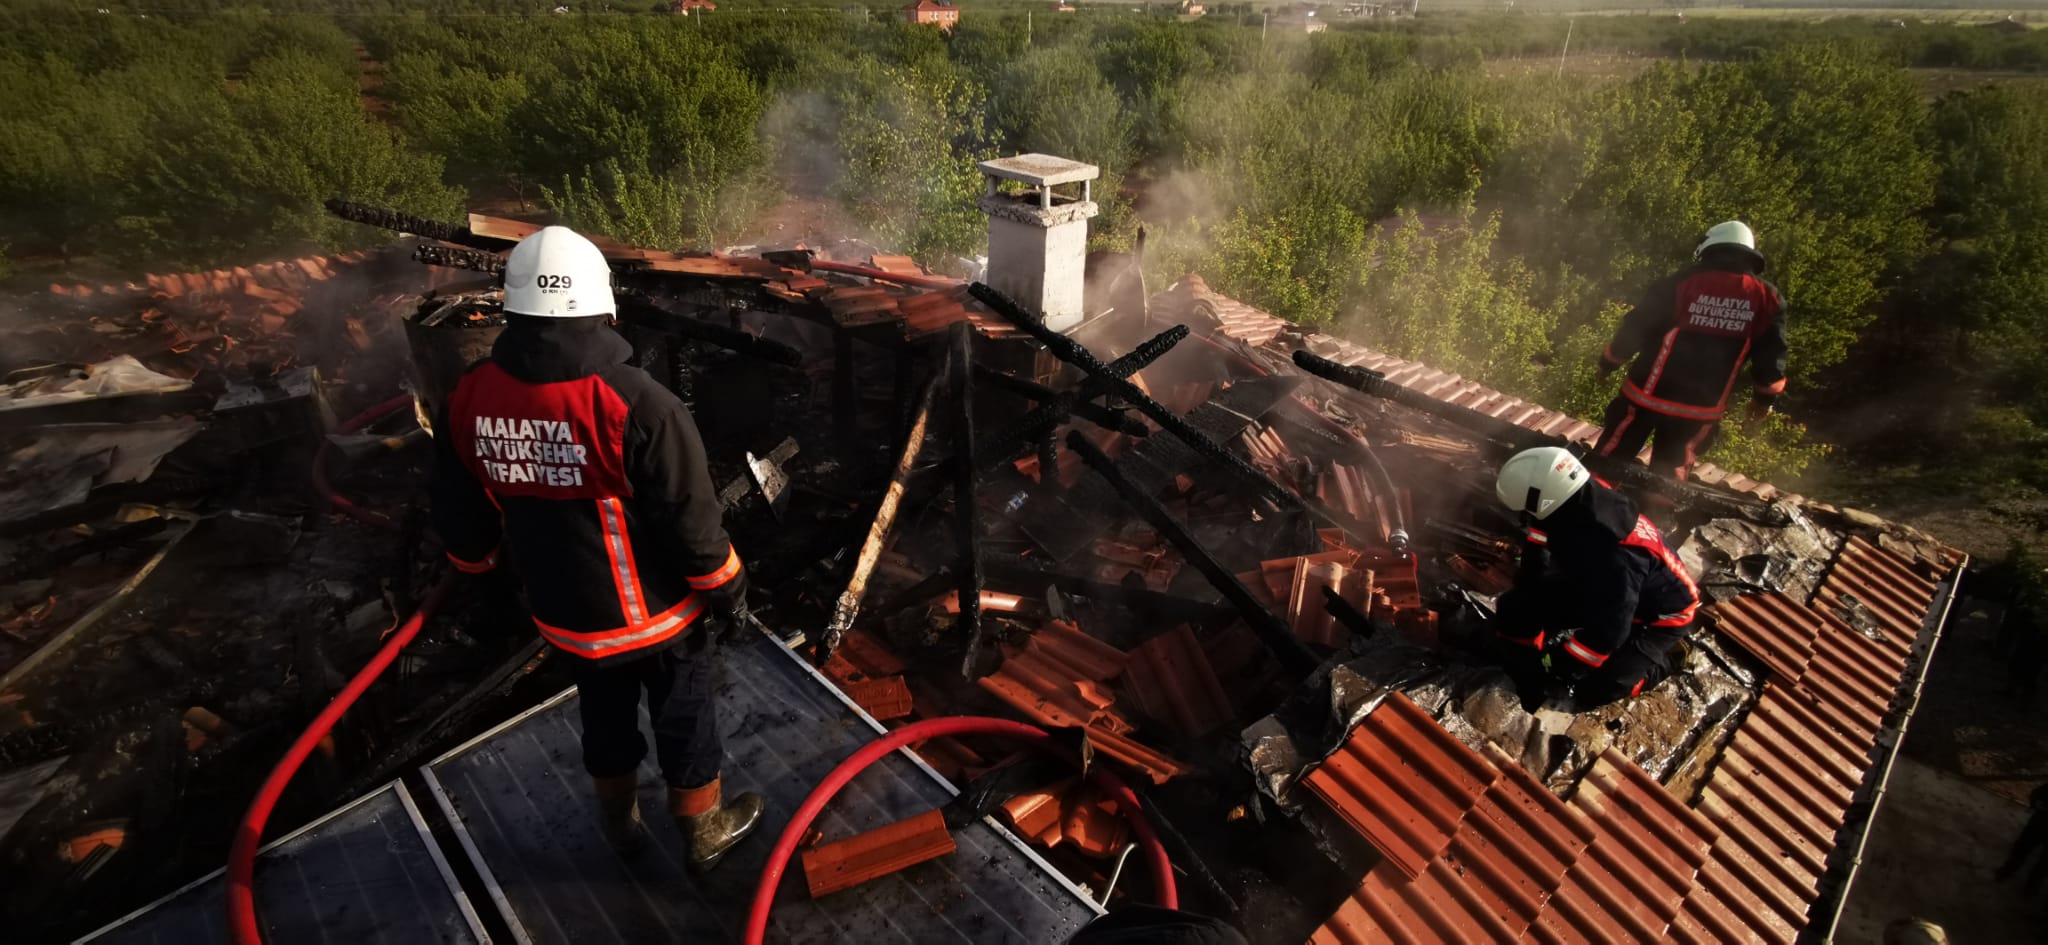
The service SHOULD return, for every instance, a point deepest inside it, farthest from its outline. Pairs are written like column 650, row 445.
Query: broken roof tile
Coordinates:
column 1047, row 694
column 1403, row 783
column 860, row 654
column 884, row 698
column 1308, row 612
column 846, row 863
column 1170, row 679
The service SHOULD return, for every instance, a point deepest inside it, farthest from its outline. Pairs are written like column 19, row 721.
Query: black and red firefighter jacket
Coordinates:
column 589, row 481
column 1609, row 571
column 1689, row 336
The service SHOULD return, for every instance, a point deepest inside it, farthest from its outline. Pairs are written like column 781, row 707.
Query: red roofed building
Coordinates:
column 942, row 15
column 693, row 7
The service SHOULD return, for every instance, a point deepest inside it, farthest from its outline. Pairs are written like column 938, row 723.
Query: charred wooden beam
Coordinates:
column 1097, row 414
column 848, row 606
column 1507, row 437
column 1272, row 631
column 397, row 222
column 1000, row 446
column 966, row 518
column 456, row 257
column 647, row 315
column 1076, row 354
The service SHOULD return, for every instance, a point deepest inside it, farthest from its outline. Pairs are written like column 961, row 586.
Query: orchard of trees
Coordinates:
column 1388, row 181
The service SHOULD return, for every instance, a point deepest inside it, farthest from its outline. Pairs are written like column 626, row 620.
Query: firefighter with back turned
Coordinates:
column 587, row 479
column 1685, row 344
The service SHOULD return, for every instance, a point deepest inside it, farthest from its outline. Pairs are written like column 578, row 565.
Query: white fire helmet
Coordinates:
column 556, row 273
column 1539, row 480
column 1732, row 233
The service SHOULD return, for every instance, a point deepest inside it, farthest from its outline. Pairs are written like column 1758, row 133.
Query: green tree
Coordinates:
column 1053, row 100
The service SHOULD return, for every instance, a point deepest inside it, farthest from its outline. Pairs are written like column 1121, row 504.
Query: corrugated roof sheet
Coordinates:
column 1403, row 783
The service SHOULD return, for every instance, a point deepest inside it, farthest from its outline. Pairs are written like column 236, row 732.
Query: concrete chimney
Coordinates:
column 1037, row 237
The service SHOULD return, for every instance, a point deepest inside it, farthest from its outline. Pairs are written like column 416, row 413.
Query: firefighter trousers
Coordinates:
column 1675, row 442
column 678, row 684
column 1638, row 665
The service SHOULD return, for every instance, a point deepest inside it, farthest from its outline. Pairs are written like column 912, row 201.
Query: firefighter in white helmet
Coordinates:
column 1600, row 600
column 588, row 480
column 1685, row 342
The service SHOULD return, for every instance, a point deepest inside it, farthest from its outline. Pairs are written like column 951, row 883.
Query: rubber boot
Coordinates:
column 618, row 813
column 709, row 824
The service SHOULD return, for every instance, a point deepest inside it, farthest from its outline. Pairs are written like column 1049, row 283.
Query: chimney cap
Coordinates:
column 1040, row 170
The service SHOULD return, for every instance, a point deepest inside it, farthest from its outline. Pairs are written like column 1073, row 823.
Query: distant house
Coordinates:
column 693, row 7
column 1061, row 6
column 1305, row 23
column 942, row 15
column 1191, row 8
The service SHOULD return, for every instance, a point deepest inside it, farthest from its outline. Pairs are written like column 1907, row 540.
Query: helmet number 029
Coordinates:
column 545, row 281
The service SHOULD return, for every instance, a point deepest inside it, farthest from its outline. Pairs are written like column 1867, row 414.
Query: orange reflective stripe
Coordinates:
column 1585, row 655
column 618, row 547
column 1777, row 388
column 474, row 567
column 726, row 572
column 1663, row 355
column 651, row 632
column 1535, row 642
column 1741, row 357
column 1538, row 538
column 1642, row 398
column 1607, row 354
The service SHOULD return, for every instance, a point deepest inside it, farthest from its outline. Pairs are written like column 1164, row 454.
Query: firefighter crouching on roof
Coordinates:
column 1600, row 602
column 1685, row 343
column 588, row 480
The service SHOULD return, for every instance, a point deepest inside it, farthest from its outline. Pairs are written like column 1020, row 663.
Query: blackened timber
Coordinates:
column 1271, row 630
column 1049, row 465
column 1094, row 413
column 845, row 390
column 456, row 257
column 998, row 447
column 645, row 313
column 388, row 219
column 878, row 532
column 1508, row 437
column 966, row 520
column 1072, row 352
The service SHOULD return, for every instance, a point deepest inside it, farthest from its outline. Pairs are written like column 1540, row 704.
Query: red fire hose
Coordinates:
column 792, row 835
column 242, row 856
column 243, row 926
column 326, row 454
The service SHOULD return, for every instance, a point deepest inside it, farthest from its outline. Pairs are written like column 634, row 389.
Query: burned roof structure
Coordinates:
column 1249, row 565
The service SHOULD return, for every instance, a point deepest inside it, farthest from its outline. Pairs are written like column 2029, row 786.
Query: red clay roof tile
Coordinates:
column 884, row 698
column 1772, row 628
column 1403, row 783
column 855, row 860
column 1078, row 654
column 1169, row 678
